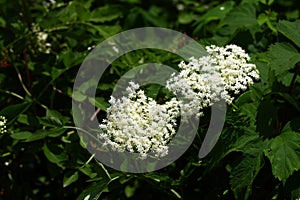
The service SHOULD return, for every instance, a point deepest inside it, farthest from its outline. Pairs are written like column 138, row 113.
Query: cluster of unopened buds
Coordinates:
column 138, row 124
column 3, row 122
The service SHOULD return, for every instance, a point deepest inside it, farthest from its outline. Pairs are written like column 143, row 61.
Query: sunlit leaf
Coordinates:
column 100, row 102
column 284, row 153
column 70, row 179
column 291, row 30
column 94, row 191
column 217, row 13
column 185, row 18
column 282, row 57
column 243, row 16
column 106, row 13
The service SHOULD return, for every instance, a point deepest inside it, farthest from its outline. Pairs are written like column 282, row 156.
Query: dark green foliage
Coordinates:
column 41, row 155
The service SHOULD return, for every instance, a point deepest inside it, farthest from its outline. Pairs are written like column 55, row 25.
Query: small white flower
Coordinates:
column 3, row 122
column 43, row 45
column 232, row 63
column 180, row 7
column 223, row 73
column 115, row 49
column 138, row 124
column 42, row 36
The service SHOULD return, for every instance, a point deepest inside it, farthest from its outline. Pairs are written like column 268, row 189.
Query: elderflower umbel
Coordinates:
column 232, row 63
column 198, row 83
column 137, row 124
column 223, row 72
column 3, row 121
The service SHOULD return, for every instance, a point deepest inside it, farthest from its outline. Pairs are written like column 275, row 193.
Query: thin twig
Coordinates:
column 95, row 114
column 22, row 83
column 12, row 93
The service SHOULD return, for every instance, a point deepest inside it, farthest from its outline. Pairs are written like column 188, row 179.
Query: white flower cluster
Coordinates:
column 232, row 63
column 223, row 73
column 3, row 121
column 198, row 84
column 41, row 39
column 138, row 124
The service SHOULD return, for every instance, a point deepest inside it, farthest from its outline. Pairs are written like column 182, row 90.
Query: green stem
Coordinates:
column 12, row 93
column 234, row 106
column 88, row 161
column 292, row 84
column 22, row 83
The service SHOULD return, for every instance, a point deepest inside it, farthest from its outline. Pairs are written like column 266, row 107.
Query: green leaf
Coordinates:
column 2, row 22
column 12, row 112
column 263, row 1
column 217, row 13
column 151, row 16
column 266, row 117
column 94, row 191
column 185, row 17
column 21, row 135
column 55, row 132
column 262, row 18
column 249, row 110
column 53, row 118
column 243, row 175
column 130, row 189
column 55, row 155
column 283, row 57
column 284, row 153
column 87, row 170
column 38, row 135
column 79, row 96
column 99, row 102
column 291, row 30
column 292, row 15
column 250, row 143
column 243, row 16
column 268, row 2
column 268, row 19
column 106, row 13
column 264, row 69
column 70, row 58
column 41, row 134
column 56, row 115
column 289, row 98
column 28, row 119
column 70, row 179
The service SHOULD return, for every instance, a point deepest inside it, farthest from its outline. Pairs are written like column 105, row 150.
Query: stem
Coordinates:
column 40, row 104
column 87, row 162
column 293, row 82
column 12, row 93
column 234, row 106
column 77, row 128
column 26, row 90
column 95, row 114
column 27, row 70
column 22, row 83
